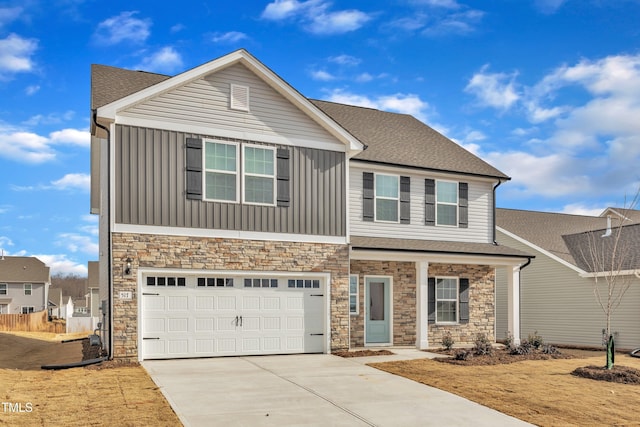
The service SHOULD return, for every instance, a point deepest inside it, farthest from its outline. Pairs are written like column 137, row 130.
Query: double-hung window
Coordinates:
column 447, row 203
column 446, row 300
column 387, row 197
column 221, row 166
column 259, row 179
column 353, row 294
column 28, row 288
column 3, row 289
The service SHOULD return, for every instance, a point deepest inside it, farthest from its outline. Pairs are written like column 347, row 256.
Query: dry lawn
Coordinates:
column 89, row 396
column 542, row 392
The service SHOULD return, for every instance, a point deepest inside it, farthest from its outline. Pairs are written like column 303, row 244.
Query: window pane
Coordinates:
column 220, row 156
column 386, row 186
column 353, row 284
column 258, row 190
column 258, row 161
column 386, row 210
column 221, row 186
column 353, row 304
column 447, row 215
column 447, row 192
column 446, row 311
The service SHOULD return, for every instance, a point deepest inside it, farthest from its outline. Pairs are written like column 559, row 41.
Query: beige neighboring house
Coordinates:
column 93, row 291
column 557, row 289
column 24, row 285
column 56, row 302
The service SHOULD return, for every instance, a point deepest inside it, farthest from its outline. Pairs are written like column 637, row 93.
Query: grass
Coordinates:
column 542, row 392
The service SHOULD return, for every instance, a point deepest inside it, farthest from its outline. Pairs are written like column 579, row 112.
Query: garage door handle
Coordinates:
column 315, row 335
column 317, row 295
column 156, row 338
column 148, row 293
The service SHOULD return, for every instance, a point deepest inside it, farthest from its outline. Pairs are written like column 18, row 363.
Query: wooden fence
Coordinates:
column 32, row 322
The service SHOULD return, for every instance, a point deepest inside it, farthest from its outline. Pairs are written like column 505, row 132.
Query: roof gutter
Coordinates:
column 108, row 328
column 494, row 213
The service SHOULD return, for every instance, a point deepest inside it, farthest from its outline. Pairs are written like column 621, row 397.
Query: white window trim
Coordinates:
column 30, row 286
column 357, row 295
column 273, row 177
column 456, row 204
column 6, row 288
column 33, row 309
column 236, row 173
column 457, row 279
column 376, row 197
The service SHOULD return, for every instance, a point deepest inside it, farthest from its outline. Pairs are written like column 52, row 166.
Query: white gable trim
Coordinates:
column 539, row 249
column 110, row 111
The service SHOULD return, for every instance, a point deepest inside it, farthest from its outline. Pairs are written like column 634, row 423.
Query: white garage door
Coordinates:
column 203, row 316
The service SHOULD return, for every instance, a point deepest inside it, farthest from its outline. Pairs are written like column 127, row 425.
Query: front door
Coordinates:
column 377, row 310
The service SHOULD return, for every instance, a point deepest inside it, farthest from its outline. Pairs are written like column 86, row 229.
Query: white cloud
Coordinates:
column 32, row 90
column 230, row 37
column 29, row 147
column 364, row 78
column 315, row 17
column 15, row 55
column 474, row 136
column 460, row 23
column 165, row 60
column 61, row 264
column 346, row 60
column 448, row 4
column 124, row 27
column 9, row 14
column 322, row 75
column 5, row 241
column 79, row 181
column 79, row 243
column 497, row 90
column 582, row 209
column 399, row 103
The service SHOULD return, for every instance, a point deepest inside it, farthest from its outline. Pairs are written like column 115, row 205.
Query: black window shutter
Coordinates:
column 464, row 300
column 282, row 155
column 431, row 299
column 194, row 168
column 430, row 202
column 463, row 205
column 405, row 200
column 367, row 196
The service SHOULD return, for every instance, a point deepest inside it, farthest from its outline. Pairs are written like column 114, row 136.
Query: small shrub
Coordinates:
column 463, row 354
column 508, row 340
column 535, row 340
column 549, row 349
column 482, row 345
column 524, row 348
column 447, row 340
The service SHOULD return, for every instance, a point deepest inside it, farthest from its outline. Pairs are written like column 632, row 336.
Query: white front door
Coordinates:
column 204, row 317
column 377, row 310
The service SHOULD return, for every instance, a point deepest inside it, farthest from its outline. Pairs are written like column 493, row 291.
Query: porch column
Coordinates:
column 513, row 302
column 422, row 311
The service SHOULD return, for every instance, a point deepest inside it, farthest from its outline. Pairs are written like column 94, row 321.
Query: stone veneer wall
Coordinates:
column 153, row 251
column 404, row 299
column 481, row 304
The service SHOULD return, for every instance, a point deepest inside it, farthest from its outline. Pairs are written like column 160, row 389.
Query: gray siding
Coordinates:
column 15, row 293
column 150, row 189
column 561, row 305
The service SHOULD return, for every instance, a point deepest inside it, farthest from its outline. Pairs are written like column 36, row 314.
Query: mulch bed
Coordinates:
column 497, row 357
column 617, row 374
column 363, row 353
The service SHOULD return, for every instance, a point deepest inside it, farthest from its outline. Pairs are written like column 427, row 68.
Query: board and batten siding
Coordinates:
column 479, row 211
column 561, row 306
column 204, row 103
column 150, row 189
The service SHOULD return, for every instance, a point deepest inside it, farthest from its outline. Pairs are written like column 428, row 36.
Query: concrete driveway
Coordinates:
column 308, row 390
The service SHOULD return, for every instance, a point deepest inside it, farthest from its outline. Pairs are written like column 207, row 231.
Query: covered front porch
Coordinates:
column 411, row 292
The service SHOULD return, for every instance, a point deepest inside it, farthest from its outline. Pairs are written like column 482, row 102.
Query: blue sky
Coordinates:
column 548, row 91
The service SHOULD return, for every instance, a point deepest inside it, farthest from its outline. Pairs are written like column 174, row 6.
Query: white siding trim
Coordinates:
column 539, row 249
column 381, row 255
column 227, row 234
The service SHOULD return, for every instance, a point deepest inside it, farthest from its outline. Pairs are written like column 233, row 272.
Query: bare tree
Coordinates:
column 610, row 258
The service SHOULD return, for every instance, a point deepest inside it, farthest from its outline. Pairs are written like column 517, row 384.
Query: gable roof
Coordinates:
column 562, row 235
column 401, row 139
column 390, row 138
column 157, row 85
column 23, row 270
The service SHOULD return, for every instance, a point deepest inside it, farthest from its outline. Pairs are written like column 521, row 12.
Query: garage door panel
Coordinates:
column 204, row 321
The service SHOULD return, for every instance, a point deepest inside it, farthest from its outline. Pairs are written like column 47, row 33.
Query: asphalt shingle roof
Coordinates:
column 23, row 270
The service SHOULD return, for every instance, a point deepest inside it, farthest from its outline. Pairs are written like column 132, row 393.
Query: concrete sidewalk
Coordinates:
column 309, row 390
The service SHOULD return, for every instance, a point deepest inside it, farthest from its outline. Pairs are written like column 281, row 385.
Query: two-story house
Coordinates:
column 239, row 217
column 24, row 285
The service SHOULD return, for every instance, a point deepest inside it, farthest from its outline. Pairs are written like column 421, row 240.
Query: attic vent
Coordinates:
column 239, row 97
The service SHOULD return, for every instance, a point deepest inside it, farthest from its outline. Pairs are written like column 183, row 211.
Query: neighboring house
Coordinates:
column 557, row 288
column 239, row 217
column 56, row 301
column 93, row 291
column 24, row 285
